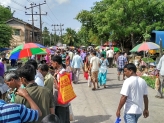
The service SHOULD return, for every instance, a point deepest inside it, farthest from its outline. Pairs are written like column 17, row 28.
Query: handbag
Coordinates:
column 65, row 92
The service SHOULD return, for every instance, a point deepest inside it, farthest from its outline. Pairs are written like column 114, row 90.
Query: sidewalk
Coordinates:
column 100, row 106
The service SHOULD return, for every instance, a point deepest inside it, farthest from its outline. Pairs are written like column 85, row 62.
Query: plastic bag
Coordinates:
column 65, row 92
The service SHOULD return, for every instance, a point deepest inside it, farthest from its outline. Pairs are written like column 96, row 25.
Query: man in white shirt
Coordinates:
column 134, row 93
column 160, row 68
column 109, row 55
column 71, row 55
column 94, row 65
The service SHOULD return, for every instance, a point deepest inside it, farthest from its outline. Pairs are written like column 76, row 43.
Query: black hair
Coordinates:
column 32, row 62
column 131, row 66
column 102, row 55
column 27, row 71
column 44, row 67
column 51, row 118
column 64, row 66
column 57, row 59
column 51, row 68
column 4, row 59
column 94, row 53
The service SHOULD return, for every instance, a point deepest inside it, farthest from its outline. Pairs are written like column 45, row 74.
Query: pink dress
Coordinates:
column 47, row 58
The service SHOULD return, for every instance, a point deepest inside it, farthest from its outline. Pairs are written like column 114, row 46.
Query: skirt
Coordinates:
column 102, row 78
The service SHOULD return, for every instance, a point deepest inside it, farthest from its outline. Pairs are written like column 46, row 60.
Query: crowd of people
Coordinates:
column 32, row 89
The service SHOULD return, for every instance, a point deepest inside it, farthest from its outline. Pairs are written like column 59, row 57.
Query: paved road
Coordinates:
column 100, row 106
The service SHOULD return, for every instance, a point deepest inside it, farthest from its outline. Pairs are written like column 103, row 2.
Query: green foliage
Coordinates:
column 146, row 36
column 5, row 30
column 46, row 37
column 5, row 35
column 124, row 21
column 149, row 80
column 5, row 14
column 70, row 37
column 148, row 60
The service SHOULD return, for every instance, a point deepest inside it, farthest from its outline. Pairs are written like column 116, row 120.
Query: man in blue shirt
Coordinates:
column 17, row 113
column 121, row 61
column 76, row 64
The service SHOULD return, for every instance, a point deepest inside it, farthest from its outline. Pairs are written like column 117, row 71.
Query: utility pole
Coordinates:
column 61, row 30
column 40, row 14
column 32, row 13
column 50, row 39
column 54, row 31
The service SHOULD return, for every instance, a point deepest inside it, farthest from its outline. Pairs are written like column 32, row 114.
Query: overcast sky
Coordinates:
column 59, row 11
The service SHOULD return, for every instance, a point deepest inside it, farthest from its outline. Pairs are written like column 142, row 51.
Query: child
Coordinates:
column 51, row 118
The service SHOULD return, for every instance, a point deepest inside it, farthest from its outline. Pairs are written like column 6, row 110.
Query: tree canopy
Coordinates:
column 70, row 37
column 5, row 30
column 124, row 21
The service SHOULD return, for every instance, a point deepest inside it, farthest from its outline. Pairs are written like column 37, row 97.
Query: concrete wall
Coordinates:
column 17, row 39
column 25, row 35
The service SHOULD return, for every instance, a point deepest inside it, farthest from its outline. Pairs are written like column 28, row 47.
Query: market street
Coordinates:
column 100, row 106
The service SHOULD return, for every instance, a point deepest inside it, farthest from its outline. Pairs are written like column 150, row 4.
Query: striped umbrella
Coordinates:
column 27, row 50
column 145, row 46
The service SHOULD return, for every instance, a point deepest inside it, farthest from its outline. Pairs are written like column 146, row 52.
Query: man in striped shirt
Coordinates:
column 17, row 113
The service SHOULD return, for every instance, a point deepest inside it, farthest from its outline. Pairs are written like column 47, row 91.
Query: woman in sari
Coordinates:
column 103, row 71
column 67, row 59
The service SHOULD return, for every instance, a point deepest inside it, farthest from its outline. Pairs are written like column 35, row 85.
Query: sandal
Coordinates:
column 93, row 89
column 158, row 97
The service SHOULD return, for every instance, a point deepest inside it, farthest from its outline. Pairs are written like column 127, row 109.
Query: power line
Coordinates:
column 40, row 14
column 50, row 19
column 53, row 13
column 29, row 1
column 17, row 3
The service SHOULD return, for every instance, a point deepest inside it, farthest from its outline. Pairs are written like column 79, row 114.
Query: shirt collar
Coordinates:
column 31, row 84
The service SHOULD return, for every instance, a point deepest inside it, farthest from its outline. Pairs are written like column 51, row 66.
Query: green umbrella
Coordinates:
column 116, row 49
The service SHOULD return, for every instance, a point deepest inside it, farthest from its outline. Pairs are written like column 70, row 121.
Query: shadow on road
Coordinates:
column 82, row 82
column 110, row 87
column 114, row 86
column 92, row 119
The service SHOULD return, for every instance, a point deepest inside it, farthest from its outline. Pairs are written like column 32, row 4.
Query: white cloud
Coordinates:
column 62, row 1
column 5, row 2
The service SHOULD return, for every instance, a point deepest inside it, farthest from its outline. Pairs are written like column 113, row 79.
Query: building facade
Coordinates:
column 23, row 32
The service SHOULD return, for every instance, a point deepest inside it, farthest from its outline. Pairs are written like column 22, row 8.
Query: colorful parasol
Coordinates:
column 27, row 50
column 115, row 49
column 98, row 47
column 53, row 48
column 145, row 46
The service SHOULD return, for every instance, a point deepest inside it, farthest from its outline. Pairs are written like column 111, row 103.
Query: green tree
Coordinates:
column 5, row 30
column 70, row 37
column 124, row 21
column 5, row 35
column 46, row 36
column 5, row 14
column 88, row 30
